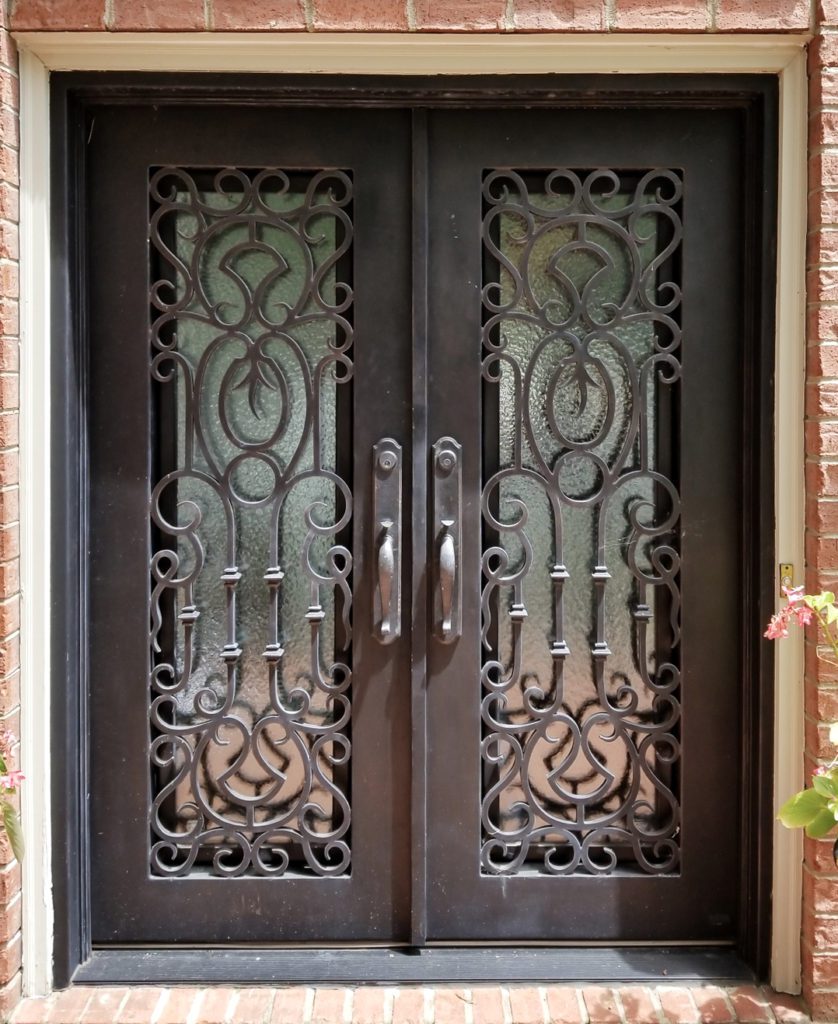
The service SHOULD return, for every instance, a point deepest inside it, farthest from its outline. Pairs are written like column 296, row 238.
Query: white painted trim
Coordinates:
column 410, row 54
column 35, row 522
column 789, row 497
column 783, row 55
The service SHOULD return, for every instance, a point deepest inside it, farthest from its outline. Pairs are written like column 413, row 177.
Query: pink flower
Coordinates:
column 11, row 780
column 778, row 627
column 794, row 594
column 803, row 613
column 821, row 770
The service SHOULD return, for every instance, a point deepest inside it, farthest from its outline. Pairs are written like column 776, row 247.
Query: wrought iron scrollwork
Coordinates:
column 581, row 517
column 251, row 337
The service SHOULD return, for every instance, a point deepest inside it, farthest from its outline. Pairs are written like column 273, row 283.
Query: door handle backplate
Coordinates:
column 386, row 540
column 447, row 533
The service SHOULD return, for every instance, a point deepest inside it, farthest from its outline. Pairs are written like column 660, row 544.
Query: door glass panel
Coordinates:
column 580, row 601
column 250, row 606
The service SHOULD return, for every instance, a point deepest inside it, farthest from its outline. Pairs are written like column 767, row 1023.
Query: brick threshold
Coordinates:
column 479, row 1004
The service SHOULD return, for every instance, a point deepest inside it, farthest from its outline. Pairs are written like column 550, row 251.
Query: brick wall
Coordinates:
column 10, row 899
column 820, row 930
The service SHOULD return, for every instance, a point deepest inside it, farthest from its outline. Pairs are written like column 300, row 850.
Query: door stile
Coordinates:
column 419, row 531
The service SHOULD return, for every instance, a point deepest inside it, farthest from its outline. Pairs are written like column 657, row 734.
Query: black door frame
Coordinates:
column 74, row 99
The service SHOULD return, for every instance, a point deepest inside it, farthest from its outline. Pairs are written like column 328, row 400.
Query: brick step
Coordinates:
column 480, row 1004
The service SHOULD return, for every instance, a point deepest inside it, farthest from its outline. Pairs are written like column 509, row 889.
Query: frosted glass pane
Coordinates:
column 580, row 601
column 252, row 630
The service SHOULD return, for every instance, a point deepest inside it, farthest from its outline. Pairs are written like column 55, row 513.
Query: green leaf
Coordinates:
column 831, row 614
column 819, row 601
column 821, row 825
column 824, row 785
column 802, row 808
column 13, row 830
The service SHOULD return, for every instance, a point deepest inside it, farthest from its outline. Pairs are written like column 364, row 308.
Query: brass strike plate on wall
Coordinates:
column 786, row 575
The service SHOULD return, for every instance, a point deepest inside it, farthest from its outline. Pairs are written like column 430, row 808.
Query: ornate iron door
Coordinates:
column 585, row 333
column 249, row 403
column 419, row 507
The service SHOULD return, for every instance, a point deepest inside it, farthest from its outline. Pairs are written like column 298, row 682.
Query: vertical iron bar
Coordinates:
column 419, row 539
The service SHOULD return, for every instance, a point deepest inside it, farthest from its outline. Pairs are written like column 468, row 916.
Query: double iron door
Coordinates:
column 415, row 524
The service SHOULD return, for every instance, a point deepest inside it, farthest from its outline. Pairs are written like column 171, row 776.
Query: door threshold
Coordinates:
column 400, row 965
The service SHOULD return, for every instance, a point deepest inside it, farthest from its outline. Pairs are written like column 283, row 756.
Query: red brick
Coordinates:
column 9, row 202
column 787, row 1009
column 823, row 87
column 526, row 1004
column 368, row 1005
column 818, row 856
column 10, row 883
column 9, row 431
column 288, row 1007
column 9, row 280
column 253, row 1006
column 10, row 996
column 328, row 1005
column 822, row 552
column 823, row 51
column 601, row 1005
column 63, row 15
column 9, row 390
column 762, row 15
column 826, row 12
column 678, row 1006
column 559, row 15
column 214, row 1007
column 32, row 1011
column 8, row 52
column 9, row 241
column 9, row 316
column 360, row 15
column 637, row 1005
column 69, row 1005
column 487, row 1006
column 158, row 15
column 821, row 398
column 450, row 1006
column 819, row 969
column 712, row 1006
column 104, row 1006
column 821, row 437
column 9, row 128
column 671, row 16
column 823, row 1005
column 822, row 359
column 253, row 15
column 821, row 701
column 10, row 91
column 178, row 1005
column 140, row 1006
column 10, row 919
column 409, row 1006
column 820, row 893
column 563, row 1005
column 822, row 284
column 823, row 170
column 820, row 932
column 821, row 246
column 461, row 15
column 750, row 1006
column 9, row 354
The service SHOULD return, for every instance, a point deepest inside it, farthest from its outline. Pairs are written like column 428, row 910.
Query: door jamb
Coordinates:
column 41, row 52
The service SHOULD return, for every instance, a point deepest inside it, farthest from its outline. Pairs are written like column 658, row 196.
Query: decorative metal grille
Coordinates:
column 580, row 603
column 250, row 603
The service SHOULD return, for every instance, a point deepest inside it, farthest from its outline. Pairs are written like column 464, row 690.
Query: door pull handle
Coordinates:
column 386, row 541
column 386, row 567
column 447, row 499
column 447, row 576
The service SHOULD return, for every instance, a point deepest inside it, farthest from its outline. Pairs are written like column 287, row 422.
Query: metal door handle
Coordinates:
column 387, row 529
column 386, row 569
column 447, row 575
column 448, row 590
